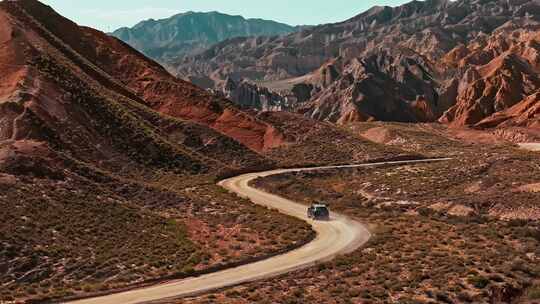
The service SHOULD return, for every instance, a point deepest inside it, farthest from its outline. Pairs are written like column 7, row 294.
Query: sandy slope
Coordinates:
column 337, row 236
column 530, row 146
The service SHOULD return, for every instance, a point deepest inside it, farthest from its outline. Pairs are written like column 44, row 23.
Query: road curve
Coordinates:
column 337, row 236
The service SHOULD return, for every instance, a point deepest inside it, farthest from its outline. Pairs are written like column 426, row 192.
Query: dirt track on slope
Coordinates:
column 530, row 146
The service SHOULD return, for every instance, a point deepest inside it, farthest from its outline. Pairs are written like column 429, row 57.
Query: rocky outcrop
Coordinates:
column 524, row 114
column 500, row 80
column 492, row 88
column 380, row 87
column 189, row 32
column 248, row 95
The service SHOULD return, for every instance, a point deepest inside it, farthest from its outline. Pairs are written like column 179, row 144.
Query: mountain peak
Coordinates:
column 193, row 31
column 383, row 14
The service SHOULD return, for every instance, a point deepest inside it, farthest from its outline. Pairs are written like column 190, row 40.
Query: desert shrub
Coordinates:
column 534, row 293
column 464, row 297
column 443, row 297
column 478, row 281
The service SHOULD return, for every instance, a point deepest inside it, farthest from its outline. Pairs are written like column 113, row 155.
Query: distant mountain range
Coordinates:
column 192, row 31
column 465, row 63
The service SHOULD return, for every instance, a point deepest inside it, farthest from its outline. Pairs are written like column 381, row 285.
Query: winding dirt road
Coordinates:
column 337, row 236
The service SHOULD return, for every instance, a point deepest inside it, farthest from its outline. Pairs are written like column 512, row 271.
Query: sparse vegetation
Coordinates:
column 311, row 145
column 449, row 232
column 61, row 239
column 534, row 293
column 116, row 195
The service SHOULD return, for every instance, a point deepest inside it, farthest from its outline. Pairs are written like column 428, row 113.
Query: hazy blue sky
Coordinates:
column 108, row 15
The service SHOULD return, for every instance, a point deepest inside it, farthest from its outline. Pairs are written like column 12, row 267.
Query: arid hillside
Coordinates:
column 120, row 68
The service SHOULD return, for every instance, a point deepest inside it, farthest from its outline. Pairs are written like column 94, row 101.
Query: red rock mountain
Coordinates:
column 370, row 88
column 458, row 61
column 90, row 97
column 120, row 68
column 500, row 78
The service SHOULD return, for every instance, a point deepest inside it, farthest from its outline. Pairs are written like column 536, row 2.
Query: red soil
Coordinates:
column 150, row 83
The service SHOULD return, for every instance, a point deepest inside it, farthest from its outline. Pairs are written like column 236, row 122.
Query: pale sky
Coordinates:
column 108, row 15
